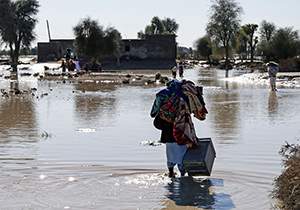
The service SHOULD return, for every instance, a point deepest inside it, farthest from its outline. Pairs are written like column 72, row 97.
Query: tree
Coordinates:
column 170, row 26
column 158, row 26
column 242, row 44
column 150, row 29
column 284, row 43
column 204, row 47
column 141, row 35
column 112, row 43
column 224, row 22
column 249, row 31
column 267, row 31
column 17, row 22
column 93, row 42
column 89, row 38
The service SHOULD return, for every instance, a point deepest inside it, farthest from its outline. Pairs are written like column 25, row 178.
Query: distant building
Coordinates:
column 153, row 52
column 53, row 50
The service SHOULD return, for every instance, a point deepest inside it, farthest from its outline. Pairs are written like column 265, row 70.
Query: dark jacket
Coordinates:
column 166, row 130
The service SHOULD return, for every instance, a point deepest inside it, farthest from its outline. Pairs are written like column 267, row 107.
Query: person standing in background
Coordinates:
column 181, row 69
column 272, row 71
column 63, row 66
column 77, row 65
column 71, row 66
column 174, row 72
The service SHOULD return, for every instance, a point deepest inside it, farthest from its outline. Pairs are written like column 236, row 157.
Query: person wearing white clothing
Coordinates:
column 272, row 71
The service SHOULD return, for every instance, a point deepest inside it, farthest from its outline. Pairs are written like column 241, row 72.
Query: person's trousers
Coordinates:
column 175, row 154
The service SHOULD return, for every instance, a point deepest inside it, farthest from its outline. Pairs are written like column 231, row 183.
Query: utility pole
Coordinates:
column 48, row 28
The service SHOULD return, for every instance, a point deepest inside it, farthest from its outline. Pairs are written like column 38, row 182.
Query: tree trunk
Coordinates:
column 14, row 56
column 251, row 51
column 14, row 85
column 118, row 60
column 226, row 73
column 209, row 61
column 14, row 64
column 252, row 55
column 226, row 61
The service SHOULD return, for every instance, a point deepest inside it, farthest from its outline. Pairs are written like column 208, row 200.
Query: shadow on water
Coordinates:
column 197, row 193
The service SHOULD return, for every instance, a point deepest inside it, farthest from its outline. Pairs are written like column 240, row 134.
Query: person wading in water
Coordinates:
column 172, row 111
column 272, row 71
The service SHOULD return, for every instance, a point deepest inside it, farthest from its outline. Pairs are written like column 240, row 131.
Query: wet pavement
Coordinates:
column 80, row 146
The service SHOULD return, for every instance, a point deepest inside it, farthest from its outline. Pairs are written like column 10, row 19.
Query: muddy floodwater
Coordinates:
column 83, row 146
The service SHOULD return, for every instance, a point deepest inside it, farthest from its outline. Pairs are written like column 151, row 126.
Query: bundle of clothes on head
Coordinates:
column 173, row 107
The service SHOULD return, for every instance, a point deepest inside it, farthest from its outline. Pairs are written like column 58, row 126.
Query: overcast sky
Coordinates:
column 131, row 16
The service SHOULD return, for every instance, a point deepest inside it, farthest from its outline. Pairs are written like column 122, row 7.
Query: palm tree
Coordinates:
column 17, row 22
column 249, row 30
column 158, row 26
column 170, row 26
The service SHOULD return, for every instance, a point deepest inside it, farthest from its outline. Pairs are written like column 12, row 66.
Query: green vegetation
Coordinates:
column 267, row 31
column 204, row 48
column 278, row 44
column 160, row 26
column 223, row 25
column 252, row 40
column 94, row 43
column 287, row 185
column 227, row 40
column 184, row 53
column 17, row 22
column 241, row 45
column 284, row 43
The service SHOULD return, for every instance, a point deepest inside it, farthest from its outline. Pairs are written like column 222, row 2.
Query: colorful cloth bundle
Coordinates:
column 175, row 105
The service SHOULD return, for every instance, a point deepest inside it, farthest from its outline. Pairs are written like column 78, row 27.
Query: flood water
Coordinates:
column 81, row 147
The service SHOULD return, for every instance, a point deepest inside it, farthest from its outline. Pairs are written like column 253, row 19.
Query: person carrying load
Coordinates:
column 272, row 72
column 172, row 111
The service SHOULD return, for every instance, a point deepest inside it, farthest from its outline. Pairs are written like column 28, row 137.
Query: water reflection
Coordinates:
column 198, row 193
column 273, row 103
column 18, row 118
column 94, row 87
column 190, row 192
column 95, row 101
column 225, row 114
column 208, row 77
column 91, row 107
column 214, row 78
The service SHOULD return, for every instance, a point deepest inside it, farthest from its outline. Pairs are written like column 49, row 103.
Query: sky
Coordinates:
column 131, row 16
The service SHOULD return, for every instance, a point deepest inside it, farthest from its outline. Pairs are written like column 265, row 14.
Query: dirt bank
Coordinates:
column 287, row 185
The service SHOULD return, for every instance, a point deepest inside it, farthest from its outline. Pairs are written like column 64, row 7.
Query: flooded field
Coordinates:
column 80, row 146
